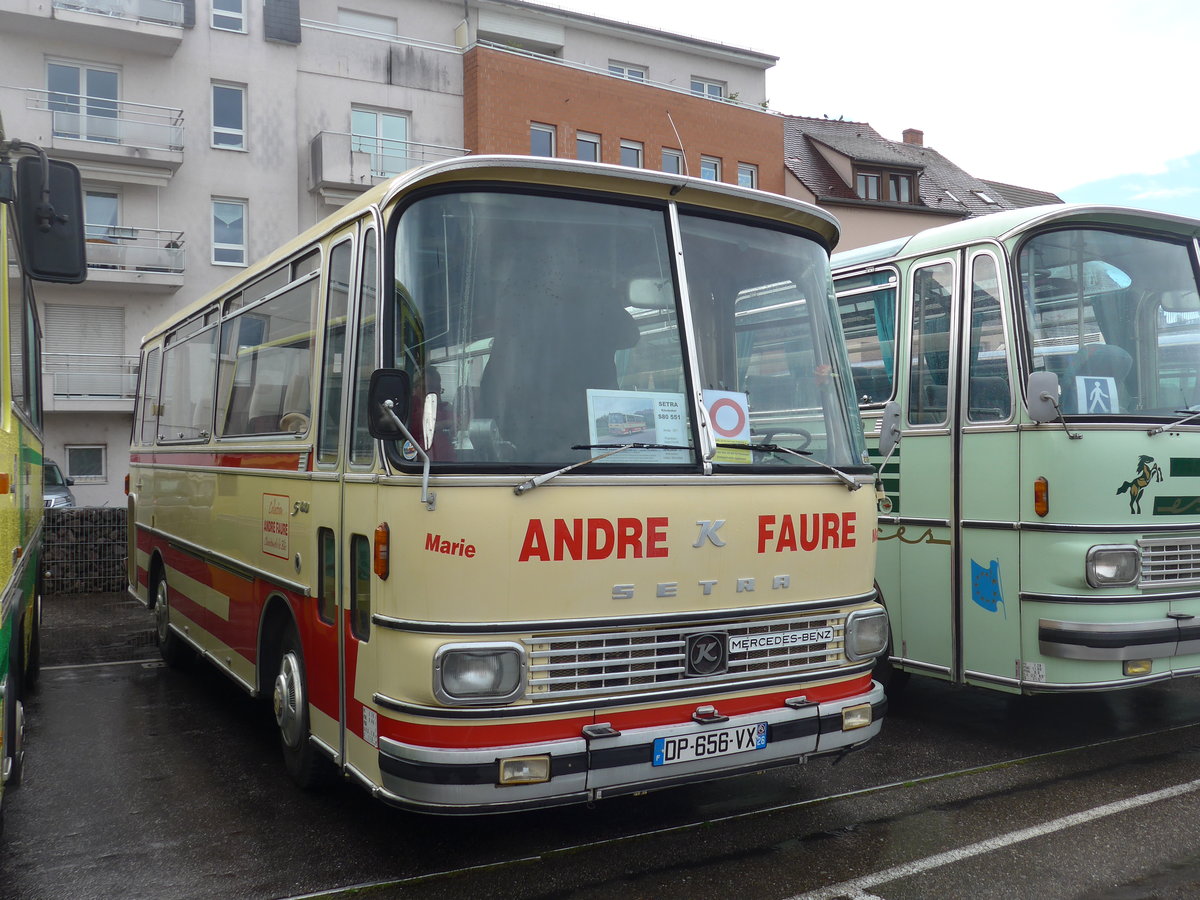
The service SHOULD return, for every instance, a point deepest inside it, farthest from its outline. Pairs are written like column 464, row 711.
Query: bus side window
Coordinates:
column 333, row 359
column 929, row 363
column 360, row 587
column 327, row 572
column 189, row 372
column 989, row 395
column 148, row 430
column 266, row 357
column 867, row 306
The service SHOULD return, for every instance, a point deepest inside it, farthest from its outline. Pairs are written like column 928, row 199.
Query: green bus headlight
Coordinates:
column 1110, row 565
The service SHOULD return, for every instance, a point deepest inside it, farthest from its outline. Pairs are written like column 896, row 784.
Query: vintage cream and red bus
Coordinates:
column 372, row 479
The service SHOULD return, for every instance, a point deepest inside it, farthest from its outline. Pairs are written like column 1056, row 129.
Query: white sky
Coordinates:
column 1049, row 94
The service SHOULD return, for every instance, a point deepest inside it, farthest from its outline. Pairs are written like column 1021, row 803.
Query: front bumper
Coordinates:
column 614, row 763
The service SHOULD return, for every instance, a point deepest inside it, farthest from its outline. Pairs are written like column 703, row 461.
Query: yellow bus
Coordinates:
column 41, row 238
column 372, row 479
column 1041, row 526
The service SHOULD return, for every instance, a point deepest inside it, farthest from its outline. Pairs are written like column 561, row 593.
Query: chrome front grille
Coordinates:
column 1170, row 562
column 628, row 660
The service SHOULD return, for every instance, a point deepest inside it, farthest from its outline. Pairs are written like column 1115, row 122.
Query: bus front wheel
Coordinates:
column 304, row 762
column 170, row 645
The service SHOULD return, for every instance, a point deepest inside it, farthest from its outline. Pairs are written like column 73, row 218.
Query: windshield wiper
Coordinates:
column 1159, row 429
column 539, row 480
column 802, row 455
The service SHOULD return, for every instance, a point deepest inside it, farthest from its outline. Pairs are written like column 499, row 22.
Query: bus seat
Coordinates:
column 1098, row 361
column 296, row 404
column 265, row 404
column 1101, row 361
column 539, row 405
column 933, row 405
column 988, row 398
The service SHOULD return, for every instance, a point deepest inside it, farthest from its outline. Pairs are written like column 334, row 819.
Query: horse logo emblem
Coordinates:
column 1147, row 471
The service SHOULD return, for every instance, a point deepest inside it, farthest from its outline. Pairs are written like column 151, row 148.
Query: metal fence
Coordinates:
column 84, row 550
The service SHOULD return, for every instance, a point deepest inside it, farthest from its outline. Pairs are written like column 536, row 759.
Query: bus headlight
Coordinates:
column 465, row 674
column 866, row 633
column 1110, row 565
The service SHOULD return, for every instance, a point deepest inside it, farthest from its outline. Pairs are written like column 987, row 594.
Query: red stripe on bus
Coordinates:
column 525, row 732
column 272, row 460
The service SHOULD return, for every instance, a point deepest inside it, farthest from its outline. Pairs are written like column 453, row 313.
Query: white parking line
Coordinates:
column 858, row 887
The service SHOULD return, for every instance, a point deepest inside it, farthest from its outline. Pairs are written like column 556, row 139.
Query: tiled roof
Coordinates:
column 943, row 186
column 1023, row 196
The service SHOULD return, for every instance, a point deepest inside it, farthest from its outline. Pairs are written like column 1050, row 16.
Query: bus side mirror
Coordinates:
column 1042, row 392
column 388, row 397
column 50, row 220
column 889, row 429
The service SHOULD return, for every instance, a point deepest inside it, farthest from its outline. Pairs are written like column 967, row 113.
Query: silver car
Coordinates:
column 56, row 489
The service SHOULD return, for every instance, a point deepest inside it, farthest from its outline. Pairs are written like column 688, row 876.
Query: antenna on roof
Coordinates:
column 682, row 149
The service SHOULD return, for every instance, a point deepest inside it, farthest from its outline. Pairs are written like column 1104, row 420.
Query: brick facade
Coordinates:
column 504, row 93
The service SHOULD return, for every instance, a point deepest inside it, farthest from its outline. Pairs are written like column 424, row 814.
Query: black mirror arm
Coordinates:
column 43, row 210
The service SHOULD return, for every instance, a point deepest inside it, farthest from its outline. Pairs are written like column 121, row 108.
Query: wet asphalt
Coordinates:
column 148, row 782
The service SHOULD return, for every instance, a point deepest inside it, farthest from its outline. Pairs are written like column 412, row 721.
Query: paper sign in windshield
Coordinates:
column 729, row 413
column 639, row 417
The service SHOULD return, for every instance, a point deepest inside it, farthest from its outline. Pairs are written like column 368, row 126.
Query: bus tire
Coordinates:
column 33, row 664
column 174, row 651
column 14, row 718
column 889, row 677
column 306, row 764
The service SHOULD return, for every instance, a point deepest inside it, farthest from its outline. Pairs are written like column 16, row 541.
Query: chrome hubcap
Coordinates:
column 289, row 700
column 162, row 613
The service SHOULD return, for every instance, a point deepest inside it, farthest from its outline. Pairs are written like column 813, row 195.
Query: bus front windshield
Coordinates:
column 549, row 330
column 1117, row 317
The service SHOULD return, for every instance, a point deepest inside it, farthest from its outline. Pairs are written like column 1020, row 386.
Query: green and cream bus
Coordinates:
column 1039, row 524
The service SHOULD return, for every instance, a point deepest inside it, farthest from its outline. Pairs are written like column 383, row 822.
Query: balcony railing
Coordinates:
column 343, row 161
column 105, row 121
column 91, row 376
column 160, row 12
column 134, row 249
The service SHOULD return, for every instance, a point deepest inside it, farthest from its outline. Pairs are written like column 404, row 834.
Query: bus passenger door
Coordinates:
column 324, row 650
column 923, row 529
column 362, row 512
column 988, row 482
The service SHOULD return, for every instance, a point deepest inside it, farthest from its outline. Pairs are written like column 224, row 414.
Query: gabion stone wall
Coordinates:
column 84, row 550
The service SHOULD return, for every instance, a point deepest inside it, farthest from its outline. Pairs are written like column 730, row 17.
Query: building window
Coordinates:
column 101, row 213
column 229, row 15
column 672, row 161
column 83, row 101
column 384, row 137
column 587, row 146
column 229, row 232
column 710, row 168
column 631, row 154
column 228, row 116
column 86, row 463
column 889, row 187
column 625, row 70
column 986, row 198
column 866, row 185
column 747, row 175
column 541, row 140
column 714, row 90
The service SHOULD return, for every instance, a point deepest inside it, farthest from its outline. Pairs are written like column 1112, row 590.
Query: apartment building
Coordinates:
column 210, row 131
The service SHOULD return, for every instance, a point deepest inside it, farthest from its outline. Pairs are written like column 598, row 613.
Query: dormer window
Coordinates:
column 885, row 186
